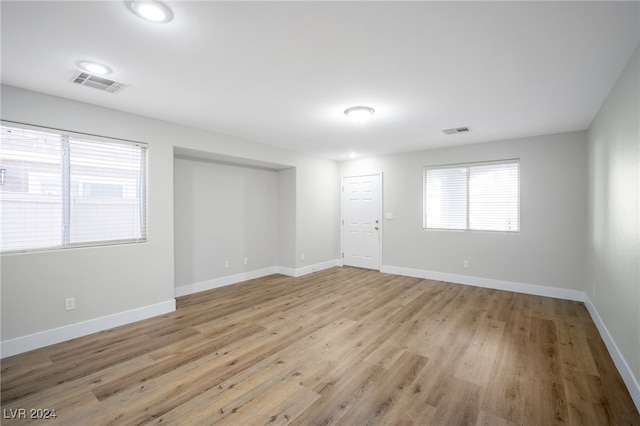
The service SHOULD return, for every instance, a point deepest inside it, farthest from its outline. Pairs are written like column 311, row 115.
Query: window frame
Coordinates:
column 66, row 184
column 469, row 166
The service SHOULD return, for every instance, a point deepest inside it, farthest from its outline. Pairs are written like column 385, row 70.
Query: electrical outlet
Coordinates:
column 466, row 263
column 70, row 303
column 226, row 263
column 246, row 260
column 302, row 256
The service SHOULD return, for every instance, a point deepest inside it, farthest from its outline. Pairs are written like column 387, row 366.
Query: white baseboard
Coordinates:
column 290, row 272
column 50, row 337
column 559, row 293
column 38, row 340
column 250, row 275
column 223, row 281
column 308, row 269
column 56, row 335
column 621, row 364
column 538, row 290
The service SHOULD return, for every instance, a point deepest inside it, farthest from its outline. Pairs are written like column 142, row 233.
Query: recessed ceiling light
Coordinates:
column 94, row 68
column 359, row 114
column 153, row 11
column 352, row 155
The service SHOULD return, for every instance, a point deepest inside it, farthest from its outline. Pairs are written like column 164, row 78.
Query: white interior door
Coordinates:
column 362, row 221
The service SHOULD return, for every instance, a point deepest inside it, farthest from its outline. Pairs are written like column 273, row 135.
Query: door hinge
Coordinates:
column 343, row 255
column 343, row 221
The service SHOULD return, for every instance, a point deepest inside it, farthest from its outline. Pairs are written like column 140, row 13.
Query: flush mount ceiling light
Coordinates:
column 152, row 11
column 359, row 114
column 94, row 68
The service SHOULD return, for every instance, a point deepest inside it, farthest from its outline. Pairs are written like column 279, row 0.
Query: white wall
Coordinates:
column 104, row 280
column 223, row 212
column 580, row 219
column 317, row 210
column 548, row 251
column 287, row 216
column 613, row 242
column 108, row 281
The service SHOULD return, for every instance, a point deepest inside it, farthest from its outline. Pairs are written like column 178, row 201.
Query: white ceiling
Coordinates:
column 283, row 73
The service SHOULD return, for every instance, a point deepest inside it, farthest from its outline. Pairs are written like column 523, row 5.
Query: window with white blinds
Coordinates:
column 477, row 196
column 62, row 190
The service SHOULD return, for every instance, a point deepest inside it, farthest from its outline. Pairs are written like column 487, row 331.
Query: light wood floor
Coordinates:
column 341, row 346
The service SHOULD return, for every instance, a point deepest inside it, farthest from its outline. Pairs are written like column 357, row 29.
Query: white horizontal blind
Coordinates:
column 446, row 198
column 493, row 197
column 31, row 193
column 93, row 193
column 478, row 196
column 105, row 189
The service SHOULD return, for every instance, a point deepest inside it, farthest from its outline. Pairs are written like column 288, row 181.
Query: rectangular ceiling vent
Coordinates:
column 97, row 82
column 456, row 130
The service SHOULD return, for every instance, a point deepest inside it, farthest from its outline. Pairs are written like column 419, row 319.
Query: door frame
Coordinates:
column 381, row 234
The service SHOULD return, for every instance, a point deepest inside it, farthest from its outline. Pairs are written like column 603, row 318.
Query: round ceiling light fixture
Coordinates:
column 153, row 11
column 359, row 114
column 94, row 68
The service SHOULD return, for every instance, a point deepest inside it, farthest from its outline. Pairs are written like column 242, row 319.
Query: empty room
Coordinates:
column 320, row 212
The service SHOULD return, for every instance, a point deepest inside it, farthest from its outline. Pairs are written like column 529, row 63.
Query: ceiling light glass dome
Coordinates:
column 359, row 114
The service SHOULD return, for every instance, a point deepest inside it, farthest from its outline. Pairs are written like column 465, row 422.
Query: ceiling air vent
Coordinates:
column 456, row 130
column 97, row 82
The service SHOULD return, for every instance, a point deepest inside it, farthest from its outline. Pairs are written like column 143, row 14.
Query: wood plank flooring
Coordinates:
column 342, row 346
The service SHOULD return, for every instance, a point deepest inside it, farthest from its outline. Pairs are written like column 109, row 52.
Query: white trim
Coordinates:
column 290, row 272
column 538, row 290
column 56, row 335
column 559, row 293
column 618, row 359
column 308, row 269
column 185, row 290
column 258, row 273
column 50, row 337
